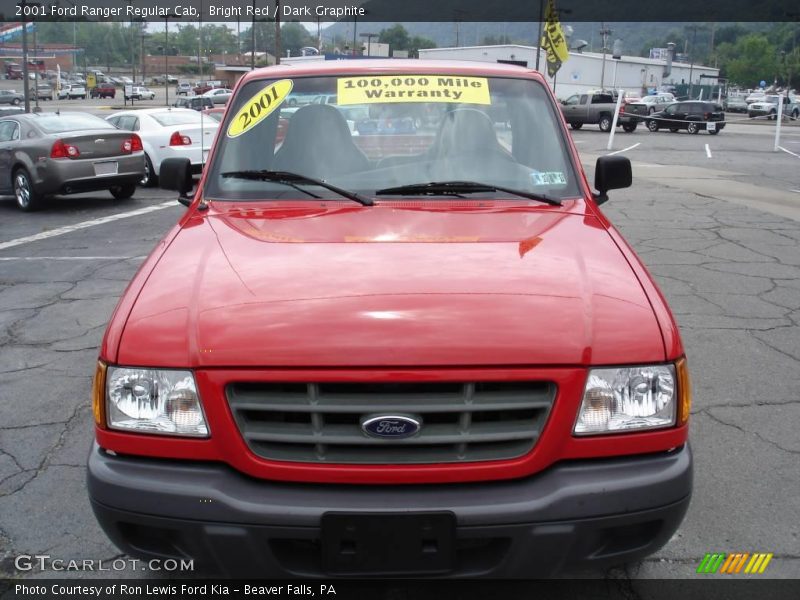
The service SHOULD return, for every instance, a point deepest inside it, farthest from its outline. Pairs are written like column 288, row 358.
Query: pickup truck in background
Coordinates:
column 598, row 108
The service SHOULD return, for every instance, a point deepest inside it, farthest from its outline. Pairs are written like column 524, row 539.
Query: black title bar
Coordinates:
column 684, row 11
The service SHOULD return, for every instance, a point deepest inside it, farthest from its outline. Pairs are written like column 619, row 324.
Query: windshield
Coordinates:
column 371, row 132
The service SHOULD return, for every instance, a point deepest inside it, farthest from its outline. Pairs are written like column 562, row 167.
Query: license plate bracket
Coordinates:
column 388, row 543
column 106, row 167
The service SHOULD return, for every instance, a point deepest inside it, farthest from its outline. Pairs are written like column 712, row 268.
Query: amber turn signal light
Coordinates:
column 684, row 391
column 99, row 394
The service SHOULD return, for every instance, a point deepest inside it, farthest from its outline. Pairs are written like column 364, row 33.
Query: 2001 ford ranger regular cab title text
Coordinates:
column 392, row 335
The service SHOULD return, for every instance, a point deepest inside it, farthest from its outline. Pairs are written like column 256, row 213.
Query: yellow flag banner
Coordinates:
column 553, row 40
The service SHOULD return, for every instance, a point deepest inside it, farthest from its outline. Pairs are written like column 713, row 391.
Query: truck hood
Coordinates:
column 398, row 284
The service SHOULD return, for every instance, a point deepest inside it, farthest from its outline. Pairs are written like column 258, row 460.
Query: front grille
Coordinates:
column 321, row 422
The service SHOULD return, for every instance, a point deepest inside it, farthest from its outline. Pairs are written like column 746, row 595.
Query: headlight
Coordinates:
column 628, row 398
column 154, row 401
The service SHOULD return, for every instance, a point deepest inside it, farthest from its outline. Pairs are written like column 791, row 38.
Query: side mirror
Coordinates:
column 610, row 173
column 176, row 174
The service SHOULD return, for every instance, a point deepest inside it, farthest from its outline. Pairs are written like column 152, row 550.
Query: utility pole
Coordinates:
column 355, row 28
column 166, row 58
column 605, row 33
column 539, row 35
column 25, row 90
column 278, row 50
column 35, row 75
column 691, row 61
column 144, row 61
column 253, row 39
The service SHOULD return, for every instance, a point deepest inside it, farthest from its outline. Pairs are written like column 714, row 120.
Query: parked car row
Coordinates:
column 46, row 154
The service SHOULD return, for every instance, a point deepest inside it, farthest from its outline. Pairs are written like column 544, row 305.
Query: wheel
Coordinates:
column 795, row 114
column 150, row 179
column 652, row 110
column 692, row 128
column 772, row 115
column 123, row 192
column 15, row 101
column 715, row 132
column 292, row 102
column 576, row 125
column 605, row 123
column 27, row 198
column 83, row 97
column 653, row 125
column 629, row 127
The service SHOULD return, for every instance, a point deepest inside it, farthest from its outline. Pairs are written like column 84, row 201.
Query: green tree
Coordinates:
column 396, row 36
column 750, row 60
column 294, row 36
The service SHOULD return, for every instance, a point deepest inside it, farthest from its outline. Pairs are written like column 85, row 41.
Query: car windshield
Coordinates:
column 70, row 122
column 388, row 131
column 168, row 119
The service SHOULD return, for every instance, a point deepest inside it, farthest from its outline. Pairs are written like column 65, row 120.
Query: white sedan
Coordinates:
column 169, row 133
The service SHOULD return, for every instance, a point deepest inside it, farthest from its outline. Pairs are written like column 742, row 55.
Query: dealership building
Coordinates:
column 583, row 71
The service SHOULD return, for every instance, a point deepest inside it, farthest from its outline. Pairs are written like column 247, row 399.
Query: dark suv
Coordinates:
column 103, row 90
column 693, row 116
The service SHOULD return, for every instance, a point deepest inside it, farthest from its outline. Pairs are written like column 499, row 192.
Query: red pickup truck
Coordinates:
column 425, row 353
column 103, row 90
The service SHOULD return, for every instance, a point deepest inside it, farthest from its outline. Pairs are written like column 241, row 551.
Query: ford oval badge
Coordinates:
column 390, row 426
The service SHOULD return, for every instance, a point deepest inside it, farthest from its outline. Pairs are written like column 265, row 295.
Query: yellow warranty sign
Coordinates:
column 259, row 107
column 371, row 89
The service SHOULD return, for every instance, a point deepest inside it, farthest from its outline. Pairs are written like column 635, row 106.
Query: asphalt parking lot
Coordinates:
column 715, row 218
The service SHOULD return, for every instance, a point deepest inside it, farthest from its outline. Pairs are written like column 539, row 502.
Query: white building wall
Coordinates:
column 583, row 72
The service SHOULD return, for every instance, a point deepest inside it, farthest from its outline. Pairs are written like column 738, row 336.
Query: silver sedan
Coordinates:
column 46, row 154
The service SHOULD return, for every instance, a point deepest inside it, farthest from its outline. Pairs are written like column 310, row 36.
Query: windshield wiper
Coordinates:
column 293, row 179
column 462, row 187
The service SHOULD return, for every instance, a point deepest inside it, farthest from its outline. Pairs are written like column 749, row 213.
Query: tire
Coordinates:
column 123, row 192
column 673, row 130
column 27, row 198
column 653, row 125
column 150, row 179
column 692, row 128
column 605, row 123
column 629, row 127
column 292, row 102
column 15, row 102
column 772, row 115
column 652, row 110
column 795, row 114
column 576, row 125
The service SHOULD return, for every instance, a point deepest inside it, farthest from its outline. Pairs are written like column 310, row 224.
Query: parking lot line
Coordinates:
column 708, row 151
column 624, row 149
column 788, row 151
column 78, row 226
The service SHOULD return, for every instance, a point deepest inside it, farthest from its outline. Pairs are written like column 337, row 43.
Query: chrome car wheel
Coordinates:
column 24, row 192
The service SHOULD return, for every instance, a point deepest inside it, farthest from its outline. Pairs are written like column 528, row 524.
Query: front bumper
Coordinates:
column 590, row 513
